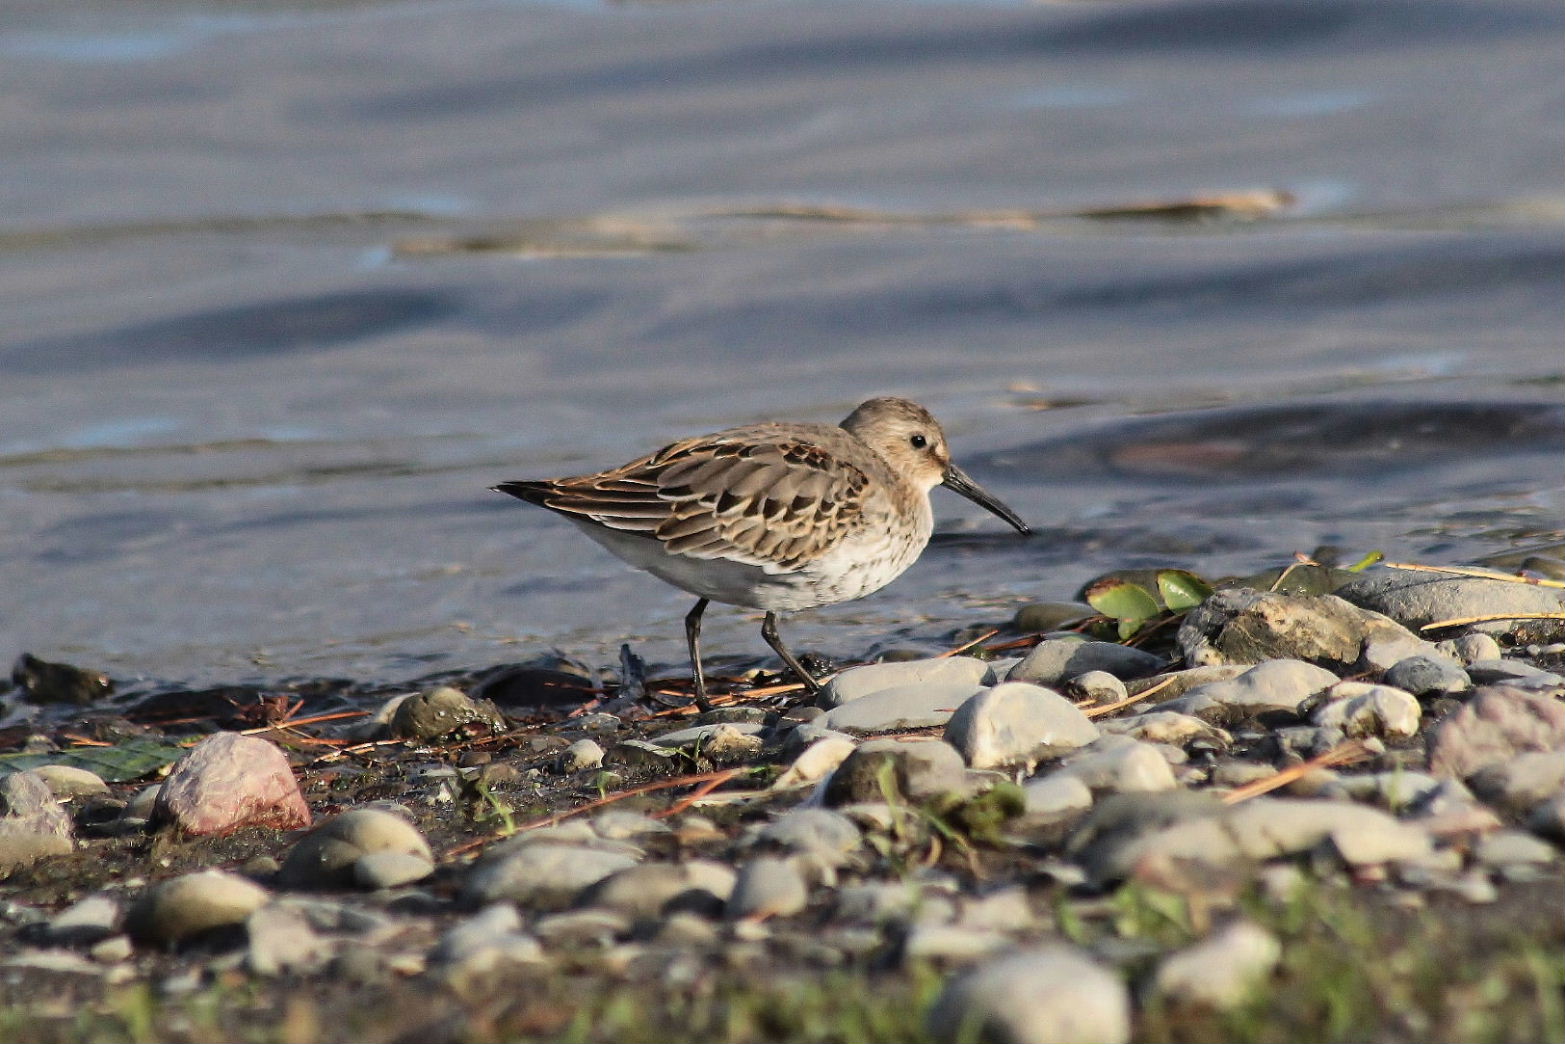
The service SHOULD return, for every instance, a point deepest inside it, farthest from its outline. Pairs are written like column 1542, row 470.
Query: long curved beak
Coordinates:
column 957, row 481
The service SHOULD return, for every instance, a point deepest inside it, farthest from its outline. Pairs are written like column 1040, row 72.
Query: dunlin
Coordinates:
column 773, row 516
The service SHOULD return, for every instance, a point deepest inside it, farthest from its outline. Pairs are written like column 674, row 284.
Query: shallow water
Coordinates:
column 288, row 285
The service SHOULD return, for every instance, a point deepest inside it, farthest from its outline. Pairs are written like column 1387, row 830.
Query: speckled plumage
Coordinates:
column 772, row 516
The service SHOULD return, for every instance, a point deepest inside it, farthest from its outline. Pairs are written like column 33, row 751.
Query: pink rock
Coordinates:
column 1494, row 726
column 228, row 781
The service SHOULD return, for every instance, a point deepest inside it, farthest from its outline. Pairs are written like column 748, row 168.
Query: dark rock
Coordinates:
column 437, row 713
column 45, row 682
column 1060, row 659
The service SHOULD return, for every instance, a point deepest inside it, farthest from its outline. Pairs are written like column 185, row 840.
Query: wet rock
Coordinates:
column 1360, row 709
column 768, row 887
column 1119, row 767
column 1240, row 625
column 1038, row 617
column 86, row 922
column 1219, row 972
column 1522, row 782
column 68, row 781
column 182, row 908
column 228, row 781
column 898, row 708
column 1016, row 723
column 45, row 682
column 582, row 755
column 538, row 874
column 955, row 675
column 694, row 886
column 815, row 763
column 1056, row 796
column 1051, row 995
column 329, row 856
column 1272, row 686
column 1166, row 727
column 1497, row 724
column 1416, row 599
column 1428, row 676
column 1056, row 660
column 440, row 712
column 916, row 772
column 33, row 826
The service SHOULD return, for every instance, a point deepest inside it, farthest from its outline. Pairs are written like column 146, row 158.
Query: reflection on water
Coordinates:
column 1203, row 283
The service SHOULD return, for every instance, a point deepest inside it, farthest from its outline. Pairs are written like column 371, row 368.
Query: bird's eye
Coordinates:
column 918, row 441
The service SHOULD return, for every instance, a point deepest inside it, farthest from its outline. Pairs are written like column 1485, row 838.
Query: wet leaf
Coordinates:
column 1182, row 589
column 1123, row 601
column 122, row 763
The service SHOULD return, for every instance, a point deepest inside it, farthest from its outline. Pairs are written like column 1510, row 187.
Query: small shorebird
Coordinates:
column 773, row 516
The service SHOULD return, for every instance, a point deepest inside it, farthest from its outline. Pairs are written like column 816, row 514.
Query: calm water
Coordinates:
column 288, row 285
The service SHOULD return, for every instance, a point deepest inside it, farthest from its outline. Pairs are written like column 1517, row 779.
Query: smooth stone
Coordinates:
column 86, row 922
column 68, row 781
column 815, row 762
column 1275, row 685
column 113, row 950
column 1056, row 796
column 582, row 929
column 1016, row 723
column 1056, row 660
column 618, row 824
column 182, row 907
column 1493, row 727
column 947, row 672
column 1428, row 676
column 489, row 941
column 33, row 826
column 540, row 876
column 1471, row 647
column 1502, row 671
column 1037, row 617
column 1050, row 995
column 1236, row 772
column 722, row 741
column 1126, row 766
column 1219, row 972
column 1415, row 599
column 1509, row 847
column 899, row 708
column 1159, row 726
column 767, row 887
column 653, row 889
column 1241, row 625
column 892, row 902
column 1173, row 684
column 1360, row 709
column 228, row 781
column 328, row 855
column 1100, row 687
column 1522, row 782
column 582, row 755
column 1266, row 828
column 439, row 712
column 951, row 942
column 284, row 941
column 823, row 837
column 380, row 870
column 918, row 772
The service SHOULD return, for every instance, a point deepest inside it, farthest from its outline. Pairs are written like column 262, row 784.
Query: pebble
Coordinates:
column 582, row 929
column 1016, row 723
column 1428, row 676
column 699, row 886
column 1509, row 847
column 767, row 887
column 539, row 874
column 1416, row 599
column 960, row 674
column 893, row 902
column 1266, row 828
column 1496, row 725
column 1395, row 791
column 1124, row 765
column 1471, row 647
column 1360, row 709
column 825, row 839
column 68, row 781
column 1161, row 726
column 815, row 762
column 918, row 772
column 1056, row 796
column 1275, row 685
column 1050, row 995
column 1521, row 782
column 283, row 941
column 490, row 941
column 33, row 826
column 181, row 908
column 442, row 711
column 227, row 781
column 86, row 922
column 1099, row 687
column 330, row 856
column 1057, row 660
column 720, row 742
column 898, row 708
column 1219, row 972
column 582, row 755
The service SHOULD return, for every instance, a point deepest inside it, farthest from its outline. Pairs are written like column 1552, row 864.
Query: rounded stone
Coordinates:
column 227, row 781
column 914, row 772
column 1059, row 659
column 541, row 876
column 1274, row 685
column 1017, row 723
column 1428, row 676
column 1054, row 995
column 327, row 856
column 68, row 781
column 962, row 672
column 439, row 712
column 1219, row 972
column 767, row 887
column 650, row 890
column 1124, row 766
column 1360, row 709
column 582, row 755
column 183, row 907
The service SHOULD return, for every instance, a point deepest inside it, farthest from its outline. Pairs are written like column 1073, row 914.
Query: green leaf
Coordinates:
column 1367, row 561
column 122, row 763
column 1122, row 601
column 1182, row 589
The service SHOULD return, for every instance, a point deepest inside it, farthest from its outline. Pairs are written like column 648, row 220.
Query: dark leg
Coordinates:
column 769, row 632
column 693, row 637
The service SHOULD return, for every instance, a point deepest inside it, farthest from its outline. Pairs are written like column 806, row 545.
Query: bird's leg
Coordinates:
column 693, row 637
column 769, row 632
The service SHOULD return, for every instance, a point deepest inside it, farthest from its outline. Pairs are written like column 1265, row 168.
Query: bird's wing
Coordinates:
column 766, row 499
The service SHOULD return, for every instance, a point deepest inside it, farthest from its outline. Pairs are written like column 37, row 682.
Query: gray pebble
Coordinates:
column 951, row 942
column 1497, row 724
column 963, row 673
column 491, row 940
column 1219, row 972
column 1053, row 995
column 1056, row 796
column 1059, row 659
column 1508, row 847
column 899, row 708
column 821, row 835
column 1428, row 676
column 284, row 941
column 815, row 762
column 653, row 889
column 1416, row 598
column 1123, row 766
column 379, row 870
column 328, row 855
column 1016, row 723
column 540, row 876
column 767, row 887
column 1471, row 647
column 1275, row 685
column 582, row 929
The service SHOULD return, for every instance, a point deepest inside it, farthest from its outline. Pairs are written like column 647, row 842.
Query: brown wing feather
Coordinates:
column 775, row 502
